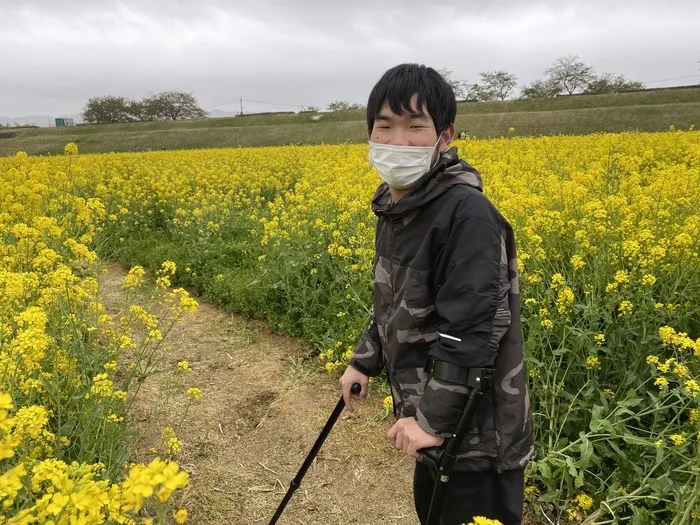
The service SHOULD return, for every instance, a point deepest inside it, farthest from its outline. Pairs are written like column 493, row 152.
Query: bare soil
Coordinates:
column 265, row 400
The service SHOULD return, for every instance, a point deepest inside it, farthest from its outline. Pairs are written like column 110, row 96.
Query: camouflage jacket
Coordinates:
column 446, row 287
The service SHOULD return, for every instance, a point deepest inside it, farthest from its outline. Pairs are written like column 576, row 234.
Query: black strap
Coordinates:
column 478, row 378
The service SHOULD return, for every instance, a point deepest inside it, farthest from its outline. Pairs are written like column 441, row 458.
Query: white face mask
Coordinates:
column 401, row 166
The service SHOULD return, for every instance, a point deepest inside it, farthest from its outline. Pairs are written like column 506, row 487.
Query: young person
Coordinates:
column 445, row 298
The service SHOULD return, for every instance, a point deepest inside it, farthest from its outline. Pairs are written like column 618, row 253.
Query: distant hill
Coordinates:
column 572, row 115
column 217, row 113
column 44, row 121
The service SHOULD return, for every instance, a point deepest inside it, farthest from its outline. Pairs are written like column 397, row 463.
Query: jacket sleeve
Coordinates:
column 472, row 305
column 368, row 357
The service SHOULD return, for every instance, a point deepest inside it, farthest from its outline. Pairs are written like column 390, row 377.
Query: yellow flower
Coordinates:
column 480, row 520
column 681, row 370
column 599, row 338
column 565, row 299
column 652, row 359
column 648, row 280
column 558, row 280
column 577, row 262
column 180, row 516
column 584, row 501
column 666, row 334
column 530, row 492
column 170, row 440
column 194, row 393
column 625, row 308
column 5, row 401
column 622, row 277
column 666, row 365
column 592, row 361
column 71, row 149
column 388, row 402
column 547, row 324
column 678, row 439
column 661, row 382
column 691, row 386
column 168, row 267
column 694, row 415
column 134, row 279
column 184, row 366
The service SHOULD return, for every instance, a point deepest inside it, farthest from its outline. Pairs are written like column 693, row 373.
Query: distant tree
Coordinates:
column 149, row 108
column 310, row 109
column 458, row 86
column 107, row 110
column 497, row 85
column 570, row 74
column 176, row 105
column 540, row 89
column 478, row 92
column 609, row 83
column 341, row 105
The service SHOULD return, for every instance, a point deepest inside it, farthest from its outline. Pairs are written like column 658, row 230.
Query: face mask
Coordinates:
column 401, row 166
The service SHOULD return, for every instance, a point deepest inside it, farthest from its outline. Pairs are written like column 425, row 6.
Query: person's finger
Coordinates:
column 347, row 397
column 400, row 439
column 391, row 435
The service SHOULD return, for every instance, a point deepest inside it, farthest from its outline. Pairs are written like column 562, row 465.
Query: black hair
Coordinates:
column 398, row 85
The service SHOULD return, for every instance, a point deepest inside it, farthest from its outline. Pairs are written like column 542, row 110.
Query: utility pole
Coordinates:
column 241, row 105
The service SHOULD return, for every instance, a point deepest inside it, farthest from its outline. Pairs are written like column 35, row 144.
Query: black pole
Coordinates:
column 449, row 456
column 478, row 382
column 296, row 482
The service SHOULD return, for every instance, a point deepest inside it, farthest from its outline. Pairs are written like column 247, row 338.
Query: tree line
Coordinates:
column 168, row 105
column 567, row 75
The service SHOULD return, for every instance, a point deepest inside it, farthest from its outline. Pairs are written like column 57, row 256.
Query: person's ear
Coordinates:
column 446, row 138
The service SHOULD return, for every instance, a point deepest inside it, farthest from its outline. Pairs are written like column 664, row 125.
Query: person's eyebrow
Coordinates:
column 417, row 115
column 380, row 116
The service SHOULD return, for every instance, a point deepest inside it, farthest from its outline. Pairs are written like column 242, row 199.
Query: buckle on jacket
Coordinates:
column 477, row 378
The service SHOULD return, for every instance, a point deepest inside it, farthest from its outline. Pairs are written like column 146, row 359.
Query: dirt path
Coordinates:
column 263, row 407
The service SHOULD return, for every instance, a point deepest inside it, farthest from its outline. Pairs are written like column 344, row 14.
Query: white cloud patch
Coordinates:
column 57, row 54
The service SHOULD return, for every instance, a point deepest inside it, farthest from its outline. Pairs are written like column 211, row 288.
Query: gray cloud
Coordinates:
column 57, row 53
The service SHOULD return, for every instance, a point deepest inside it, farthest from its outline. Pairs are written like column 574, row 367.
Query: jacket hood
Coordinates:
column 448, row 171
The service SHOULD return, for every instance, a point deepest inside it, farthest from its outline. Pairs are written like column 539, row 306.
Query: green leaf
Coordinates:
column 607, row 425
column 630, row 402
column 549, row 497
column 544, row 469
column 596, row 417
column 661, row 485
column 586, row 449
column 573, row 471
column 617, row 449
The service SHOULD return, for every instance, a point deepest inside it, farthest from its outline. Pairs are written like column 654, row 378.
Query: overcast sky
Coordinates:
column 55, row 54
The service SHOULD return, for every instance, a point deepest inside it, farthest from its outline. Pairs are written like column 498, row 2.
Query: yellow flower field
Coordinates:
column 607, row 229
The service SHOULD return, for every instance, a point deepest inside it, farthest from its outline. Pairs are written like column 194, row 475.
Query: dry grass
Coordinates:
column 264, row 404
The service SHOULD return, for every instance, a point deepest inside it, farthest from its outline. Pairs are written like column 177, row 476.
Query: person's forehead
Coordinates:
column 386, row 111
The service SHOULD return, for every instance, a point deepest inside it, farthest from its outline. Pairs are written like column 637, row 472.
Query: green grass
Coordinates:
column 644, row 111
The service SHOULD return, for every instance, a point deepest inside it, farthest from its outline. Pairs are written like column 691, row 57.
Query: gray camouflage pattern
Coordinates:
column 405, row 330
